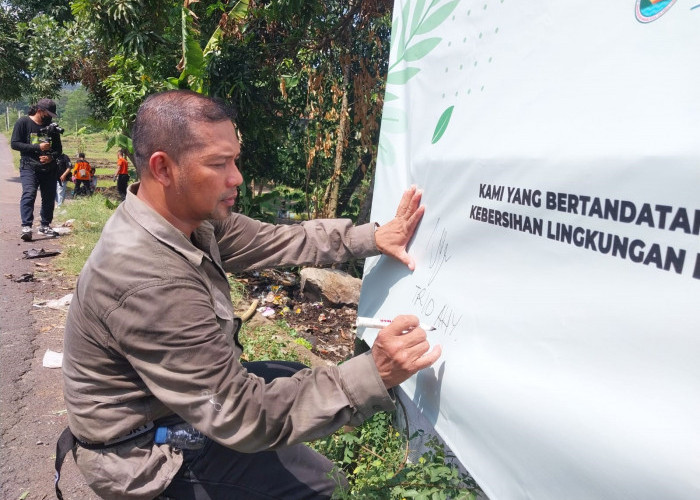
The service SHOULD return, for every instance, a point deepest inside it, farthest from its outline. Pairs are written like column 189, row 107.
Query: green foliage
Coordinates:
column 258, row 207
column 303, row 342
column 374, row 459
column 128, row 86
column 90, row 215
column 13, row 69
column 287, row 66
column 74, row 110
column 25, row 10
column 263, row 343
column 237, row 290
column 132, row 27
column 90, row 143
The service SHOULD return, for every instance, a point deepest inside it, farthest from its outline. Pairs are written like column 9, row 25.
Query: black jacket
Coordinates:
column 26, row 137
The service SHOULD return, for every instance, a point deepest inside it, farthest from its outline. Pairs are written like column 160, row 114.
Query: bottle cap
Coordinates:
column 161, row 436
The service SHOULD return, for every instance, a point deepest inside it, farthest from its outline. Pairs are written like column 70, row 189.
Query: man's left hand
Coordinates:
column 392, row 237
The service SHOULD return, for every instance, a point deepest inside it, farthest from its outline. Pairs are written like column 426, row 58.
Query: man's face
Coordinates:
column 206, row 179
column 45, row 117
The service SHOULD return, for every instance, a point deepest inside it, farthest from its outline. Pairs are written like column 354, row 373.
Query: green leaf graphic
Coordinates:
column 402, row 76
column 417, row 15
column 442, row 124
column 387, row 153
column 388, row 96
column 421, row 49
column 404, row 24
column 394, row 120
column 437, row 17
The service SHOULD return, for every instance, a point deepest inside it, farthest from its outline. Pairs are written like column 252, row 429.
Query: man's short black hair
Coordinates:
column 164, row 122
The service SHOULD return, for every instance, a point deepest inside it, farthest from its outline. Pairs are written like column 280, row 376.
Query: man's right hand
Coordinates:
column 401, row 349
column 45, row 146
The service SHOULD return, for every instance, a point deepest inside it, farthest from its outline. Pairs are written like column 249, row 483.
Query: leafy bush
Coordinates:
column 374, row 457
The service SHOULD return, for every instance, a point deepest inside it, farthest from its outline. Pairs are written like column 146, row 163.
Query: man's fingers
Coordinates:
column 415, row 218
column 428, row 358
column 406, row 200
column 401, row 324
column 415, row 201
column 406, row 259
column 402, row 349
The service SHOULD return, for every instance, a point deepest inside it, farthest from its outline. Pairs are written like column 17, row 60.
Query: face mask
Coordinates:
column 46, row 119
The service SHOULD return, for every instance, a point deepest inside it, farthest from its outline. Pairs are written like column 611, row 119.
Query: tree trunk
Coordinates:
column 366, row 208
column 357, row 176
column 330, row 199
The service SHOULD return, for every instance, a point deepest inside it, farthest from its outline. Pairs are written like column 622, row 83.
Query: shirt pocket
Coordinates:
column 228, row 321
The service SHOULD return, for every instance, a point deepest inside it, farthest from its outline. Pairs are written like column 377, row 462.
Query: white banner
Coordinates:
column 558, row 147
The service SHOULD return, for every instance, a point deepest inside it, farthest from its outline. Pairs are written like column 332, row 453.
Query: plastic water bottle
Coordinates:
column 182, row 436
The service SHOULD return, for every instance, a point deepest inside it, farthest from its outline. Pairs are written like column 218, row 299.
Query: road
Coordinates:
column 32, row 412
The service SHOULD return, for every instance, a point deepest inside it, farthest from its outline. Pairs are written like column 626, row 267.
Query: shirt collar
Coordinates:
column 165, row 232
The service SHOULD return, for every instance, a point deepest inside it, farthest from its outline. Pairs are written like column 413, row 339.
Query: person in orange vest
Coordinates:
column 122, row 175
column 82, row 175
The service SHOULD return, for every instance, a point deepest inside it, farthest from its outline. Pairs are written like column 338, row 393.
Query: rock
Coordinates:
column 330, row 285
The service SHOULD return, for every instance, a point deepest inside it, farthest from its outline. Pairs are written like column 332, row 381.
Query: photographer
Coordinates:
column 39, row 143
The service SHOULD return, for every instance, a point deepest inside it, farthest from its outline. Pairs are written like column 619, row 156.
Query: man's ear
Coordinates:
column 162, row 167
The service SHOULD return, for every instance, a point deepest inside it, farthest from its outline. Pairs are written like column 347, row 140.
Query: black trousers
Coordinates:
column 293, row 472
column 122, row 183
column 32, row 181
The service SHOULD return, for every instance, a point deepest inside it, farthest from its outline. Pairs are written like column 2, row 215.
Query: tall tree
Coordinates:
column 14, row 79
column 307, row 78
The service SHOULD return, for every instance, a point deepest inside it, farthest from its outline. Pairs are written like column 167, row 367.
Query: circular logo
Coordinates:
column 650, row 10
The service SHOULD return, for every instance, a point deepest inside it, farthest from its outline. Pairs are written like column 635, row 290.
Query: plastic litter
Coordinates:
column 52, row 359
column 33, row 253
column 61, row 303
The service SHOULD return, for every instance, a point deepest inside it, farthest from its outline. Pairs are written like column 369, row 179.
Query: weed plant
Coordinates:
column 374, row 458
column 267, row 342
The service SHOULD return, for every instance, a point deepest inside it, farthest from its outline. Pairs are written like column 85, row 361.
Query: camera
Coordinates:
column 51, row 129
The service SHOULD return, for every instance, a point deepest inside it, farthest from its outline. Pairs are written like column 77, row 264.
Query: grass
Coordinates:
column 93, row 145
column 268, row 342
column 86, row 230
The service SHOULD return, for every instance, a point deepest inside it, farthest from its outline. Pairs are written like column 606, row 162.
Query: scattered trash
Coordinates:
column 23, row 278
column 68, row 223
column 61, row 303
column 266, row 311
column 329, row 329
column 52, row 359
column 33, row 253
column 62, row 230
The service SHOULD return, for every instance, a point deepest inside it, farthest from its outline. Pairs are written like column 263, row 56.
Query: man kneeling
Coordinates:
column 151, row 336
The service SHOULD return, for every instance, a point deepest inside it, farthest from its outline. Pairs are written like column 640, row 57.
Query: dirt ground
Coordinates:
column 330, row 330
column 32, row 411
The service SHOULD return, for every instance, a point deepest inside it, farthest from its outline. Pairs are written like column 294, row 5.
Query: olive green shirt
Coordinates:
column 151, row 331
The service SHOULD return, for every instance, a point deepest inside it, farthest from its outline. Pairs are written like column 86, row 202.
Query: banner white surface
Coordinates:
column 557, row 144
